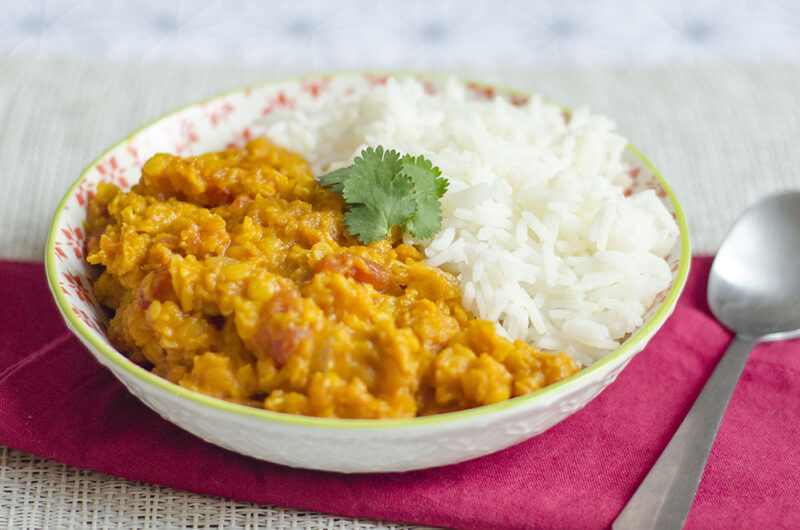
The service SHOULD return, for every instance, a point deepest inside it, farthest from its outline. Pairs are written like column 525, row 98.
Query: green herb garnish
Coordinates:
column 384, row 190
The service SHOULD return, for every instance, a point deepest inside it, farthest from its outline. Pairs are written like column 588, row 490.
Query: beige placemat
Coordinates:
column 722, row 136
column 38, row 493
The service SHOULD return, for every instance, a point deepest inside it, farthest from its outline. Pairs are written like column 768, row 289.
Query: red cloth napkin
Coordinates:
column 58, row 402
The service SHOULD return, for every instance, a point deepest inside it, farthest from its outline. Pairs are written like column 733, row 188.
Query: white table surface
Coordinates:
column 722, row 135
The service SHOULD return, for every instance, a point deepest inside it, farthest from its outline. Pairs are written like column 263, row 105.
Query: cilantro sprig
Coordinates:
column 385, row 190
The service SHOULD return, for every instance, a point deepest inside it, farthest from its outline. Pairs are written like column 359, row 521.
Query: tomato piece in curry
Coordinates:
column 232, row 274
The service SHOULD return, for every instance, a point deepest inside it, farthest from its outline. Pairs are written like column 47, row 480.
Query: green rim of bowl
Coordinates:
column 86, row 334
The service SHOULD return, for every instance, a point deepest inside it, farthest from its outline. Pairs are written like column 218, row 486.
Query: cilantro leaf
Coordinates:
column 429, row 187
column 335, row 179
column 426, row 220
column 375, row 177
column 384, row 190
column 379, row 194
column 427, row 178
column 368, row 224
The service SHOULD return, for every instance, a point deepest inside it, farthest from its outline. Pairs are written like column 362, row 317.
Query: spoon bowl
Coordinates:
column 754, row 286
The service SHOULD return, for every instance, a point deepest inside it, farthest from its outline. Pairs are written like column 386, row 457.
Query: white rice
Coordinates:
column 536, row 225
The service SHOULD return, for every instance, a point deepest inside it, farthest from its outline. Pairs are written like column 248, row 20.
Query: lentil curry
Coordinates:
column 232, row 274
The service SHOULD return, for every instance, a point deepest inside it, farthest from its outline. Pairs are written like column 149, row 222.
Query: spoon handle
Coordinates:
column 664, row 498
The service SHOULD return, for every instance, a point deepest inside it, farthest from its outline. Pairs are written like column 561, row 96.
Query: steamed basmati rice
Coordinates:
column 536, row 224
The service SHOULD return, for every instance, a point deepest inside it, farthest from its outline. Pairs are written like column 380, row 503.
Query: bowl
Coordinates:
column 341, row 445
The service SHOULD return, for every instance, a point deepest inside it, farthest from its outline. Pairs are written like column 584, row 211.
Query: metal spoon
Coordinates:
column 753, row 289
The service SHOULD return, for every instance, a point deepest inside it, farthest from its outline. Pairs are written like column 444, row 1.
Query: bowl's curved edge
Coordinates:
column 100, row 347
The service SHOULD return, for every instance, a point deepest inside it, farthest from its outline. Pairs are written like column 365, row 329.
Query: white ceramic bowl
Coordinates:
column 316, row 443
